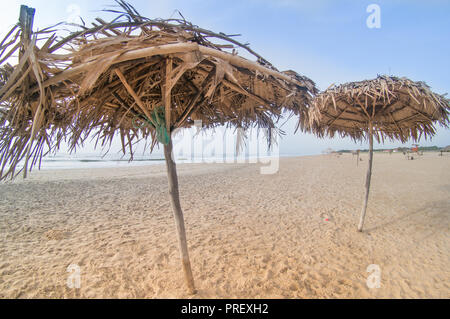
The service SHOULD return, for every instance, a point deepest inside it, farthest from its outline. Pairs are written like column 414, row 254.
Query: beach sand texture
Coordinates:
column 287, row 235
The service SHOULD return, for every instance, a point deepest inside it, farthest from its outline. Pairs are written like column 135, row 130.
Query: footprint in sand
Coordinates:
column 56, row 234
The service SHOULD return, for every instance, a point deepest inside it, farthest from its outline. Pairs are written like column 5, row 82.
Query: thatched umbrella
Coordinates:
column 444, row 149
column 385, row 107
column 141, row 79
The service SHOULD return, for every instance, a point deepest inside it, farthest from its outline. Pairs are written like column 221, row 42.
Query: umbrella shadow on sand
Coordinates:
column 433, row 214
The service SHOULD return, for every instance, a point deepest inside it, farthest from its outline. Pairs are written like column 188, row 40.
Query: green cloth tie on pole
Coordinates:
column 157, row 121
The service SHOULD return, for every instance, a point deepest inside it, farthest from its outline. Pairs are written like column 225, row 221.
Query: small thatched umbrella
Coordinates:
column 444, row 149
column 141, row 79
column 385, row 107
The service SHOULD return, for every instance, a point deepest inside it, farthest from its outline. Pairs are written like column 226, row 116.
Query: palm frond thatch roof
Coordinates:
column 398, row 108
column 113, row 77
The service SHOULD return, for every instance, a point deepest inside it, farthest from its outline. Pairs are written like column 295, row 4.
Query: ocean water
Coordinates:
column 76, row 161
column 69, row 161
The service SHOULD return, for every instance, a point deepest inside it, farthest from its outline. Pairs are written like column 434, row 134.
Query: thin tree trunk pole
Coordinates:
column 178, row 215
column 368, row 176
column 26, row 18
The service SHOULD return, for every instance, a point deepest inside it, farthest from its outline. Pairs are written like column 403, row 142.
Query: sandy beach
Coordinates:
column 287, row 235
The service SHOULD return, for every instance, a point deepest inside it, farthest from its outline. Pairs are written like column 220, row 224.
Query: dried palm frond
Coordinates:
column 111, row 78
column 397, row 108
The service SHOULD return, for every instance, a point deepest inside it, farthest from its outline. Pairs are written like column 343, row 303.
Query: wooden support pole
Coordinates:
column 357, row 158
column 178, row 215
column 368, row 176
column 166, row 93
column 26, row 18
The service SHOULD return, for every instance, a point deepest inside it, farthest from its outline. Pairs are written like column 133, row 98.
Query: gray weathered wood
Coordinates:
column 368, row 176
column 357, row 157
column 178, row 215
column 26, row 18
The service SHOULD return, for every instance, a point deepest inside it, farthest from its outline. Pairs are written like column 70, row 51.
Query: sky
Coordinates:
column 328, row 41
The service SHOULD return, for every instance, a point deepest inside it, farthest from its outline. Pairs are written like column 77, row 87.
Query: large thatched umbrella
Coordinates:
column 385, row 107
column 139, row 78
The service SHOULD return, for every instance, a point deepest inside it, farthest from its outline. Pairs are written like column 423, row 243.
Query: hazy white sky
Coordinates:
column 325, row 40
